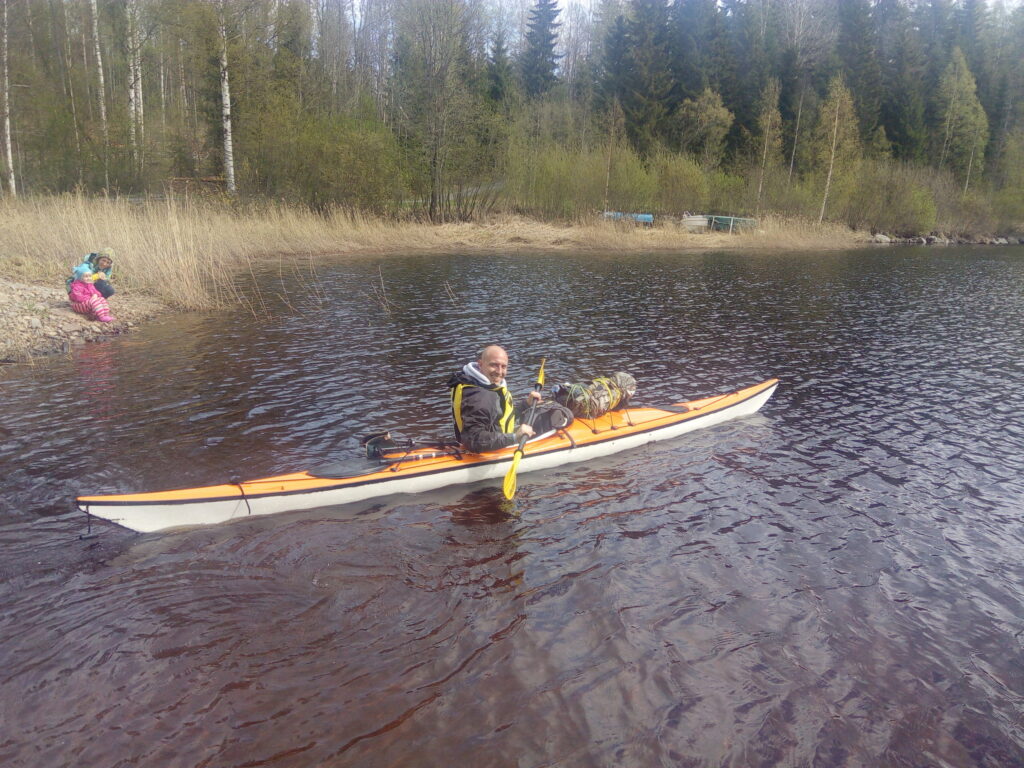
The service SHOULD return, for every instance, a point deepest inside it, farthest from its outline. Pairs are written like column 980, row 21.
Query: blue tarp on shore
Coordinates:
column 639, row 218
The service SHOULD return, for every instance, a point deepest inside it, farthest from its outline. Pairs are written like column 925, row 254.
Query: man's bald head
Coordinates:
column 493, row 363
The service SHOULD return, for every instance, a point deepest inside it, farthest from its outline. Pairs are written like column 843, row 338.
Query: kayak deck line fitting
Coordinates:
column 420, row 469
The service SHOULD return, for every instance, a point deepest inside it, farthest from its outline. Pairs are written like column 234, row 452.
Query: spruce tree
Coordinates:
column 614, row 63
column 499, row 70
column 857, row 48
column 648, row 95
column 689, row 22
column 539, row 58
column 756, row 32
column 903, row 105
column 973, row 35
column 933, row 23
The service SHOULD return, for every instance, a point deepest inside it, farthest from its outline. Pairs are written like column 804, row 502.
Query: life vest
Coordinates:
column 506, row 422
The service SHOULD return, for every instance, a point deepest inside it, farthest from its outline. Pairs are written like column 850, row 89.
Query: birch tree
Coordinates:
column 808, row 32
column 71, row 90
column 373, row 37
column 965, row 125
column 836, row 142
column 769, row 122
column 225, row 96
column 8, row 155
column 101, row 93
column 136, row 121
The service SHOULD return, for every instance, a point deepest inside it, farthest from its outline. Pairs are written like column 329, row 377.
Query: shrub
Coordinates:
column 726, row 193
column 632, row 187
column 888, row 198
column 321, row 161
column 680, row 183
column 1009, row 207
column 556, row 182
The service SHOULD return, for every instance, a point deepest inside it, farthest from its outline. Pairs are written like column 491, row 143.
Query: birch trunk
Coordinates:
column 970, row 166
column 764, row 164
column 32, row 39
column 8, row 155
column 189, row 119
column 796, row 136
column 136, row 116
column 163, row 94
column 133, row 119
column 71, row 91
column 102, row 95
column 947, row 130
column 85, row 63
column 225, row 97
column 140, row 107
column 831, row 163
column 182, row 87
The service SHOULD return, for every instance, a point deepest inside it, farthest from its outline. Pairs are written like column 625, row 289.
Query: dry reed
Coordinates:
column 191, row 255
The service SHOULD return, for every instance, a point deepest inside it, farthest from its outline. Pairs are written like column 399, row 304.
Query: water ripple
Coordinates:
column 835, row 581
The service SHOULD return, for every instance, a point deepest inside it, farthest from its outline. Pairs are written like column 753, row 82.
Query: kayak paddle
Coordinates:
column 509, row 486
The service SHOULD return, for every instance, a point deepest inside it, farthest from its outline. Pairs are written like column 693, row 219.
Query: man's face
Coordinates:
column 494, row 362
column 103, row 262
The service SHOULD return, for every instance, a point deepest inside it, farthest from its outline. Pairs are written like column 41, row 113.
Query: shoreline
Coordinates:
column 38, row 321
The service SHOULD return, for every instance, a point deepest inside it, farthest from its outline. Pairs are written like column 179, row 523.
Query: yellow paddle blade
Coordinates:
column 509, row 486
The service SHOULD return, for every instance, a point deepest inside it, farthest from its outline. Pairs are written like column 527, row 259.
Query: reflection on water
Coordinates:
column 835, row 581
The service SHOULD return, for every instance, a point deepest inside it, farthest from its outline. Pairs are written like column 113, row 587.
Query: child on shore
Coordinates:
column 101, row 265
column 86, row 299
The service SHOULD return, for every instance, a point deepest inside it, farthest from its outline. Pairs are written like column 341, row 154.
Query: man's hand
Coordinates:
column 524, row 430
column 535, row 396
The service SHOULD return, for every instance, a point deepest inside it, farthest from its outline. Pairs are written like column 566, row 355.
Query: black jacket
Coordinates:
column 482, row 409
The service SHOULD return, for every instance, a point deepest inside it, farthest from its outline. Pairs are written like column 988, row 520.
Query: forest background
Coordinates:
column 904, row 116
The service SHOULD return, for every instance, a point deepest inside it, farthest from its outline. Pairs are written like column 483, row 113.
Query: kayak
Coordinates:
column 419, row 469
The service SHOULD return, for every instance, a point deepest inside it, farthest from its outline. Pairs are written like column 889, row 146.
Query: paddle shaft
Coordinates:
column 529, row 420
column 533, row 408
column 509, row 486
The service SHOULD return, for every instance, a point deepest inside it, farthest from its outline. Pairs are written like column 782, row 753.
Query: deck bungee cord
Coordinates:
column 237, row 481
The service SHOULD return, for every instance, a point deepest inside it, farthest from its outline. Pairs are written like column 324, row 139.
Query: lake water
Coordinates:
column 836, row 581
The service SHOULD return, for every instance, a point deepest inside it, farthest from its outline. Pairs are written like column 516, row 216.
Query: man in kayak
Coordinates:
column 485, row 416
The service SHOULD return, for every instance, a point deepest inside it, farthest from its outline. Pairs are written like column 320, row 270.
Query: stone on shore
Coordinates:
column 38, row 320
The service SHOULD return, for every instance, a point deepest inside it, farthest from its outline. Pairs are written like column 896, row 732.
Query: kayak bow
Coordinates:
column 418, row 471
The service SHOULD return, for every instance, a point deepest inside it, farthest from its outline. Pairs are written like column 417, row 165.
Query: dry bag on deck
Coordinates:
column 588, row 400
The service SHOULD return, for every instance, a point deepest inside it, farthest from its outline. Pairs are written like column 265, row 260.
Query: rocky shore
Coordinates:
column 884, row 239
column 37, row 320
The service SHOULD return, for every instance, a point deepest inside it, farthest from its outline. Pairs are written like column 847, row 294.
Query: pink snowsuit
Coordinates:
column 87, row 300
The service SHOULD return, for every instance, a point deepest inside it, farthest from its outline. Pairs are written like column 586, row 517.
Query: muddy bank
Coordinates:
column 37, row 320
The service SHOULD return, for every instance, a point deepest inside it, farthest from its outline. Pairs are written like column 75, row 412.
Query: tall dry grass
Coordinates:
column 192, row 255
column 189, row 254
